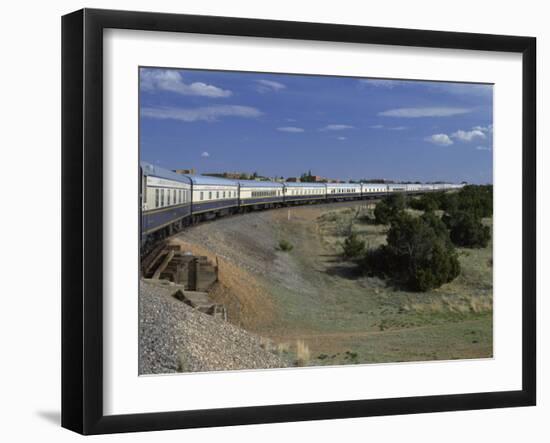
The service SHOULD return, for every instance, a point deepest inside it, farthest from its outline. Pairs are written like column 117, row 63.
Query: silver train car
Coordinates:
column 170, row 201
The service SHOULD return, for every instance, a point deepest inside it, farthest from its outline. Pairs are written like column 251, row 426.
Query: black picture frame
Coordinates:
column 82, row 215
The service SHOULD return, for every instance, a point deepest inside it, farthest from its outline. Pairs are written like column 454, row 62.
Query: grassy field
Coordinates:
column 322, row 307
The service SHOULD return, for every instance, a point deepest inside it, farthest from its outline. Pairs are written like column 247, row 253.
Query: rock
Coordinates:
column 174, row 337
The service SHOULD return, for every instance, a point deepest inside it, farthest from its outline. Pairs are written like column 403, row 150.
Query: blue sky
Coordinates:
column 337, row 127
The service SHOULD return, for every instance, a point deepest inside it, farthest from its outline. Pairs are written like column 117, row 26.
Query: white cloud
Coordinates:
column 389, row 128
column 439, row 139
column 468, row 136
column 472, row 89
column 269, row 86
column 290, row 129
column 379, row 83
column 424, row 112
column 483, row 148
column 205, row 154
column 334, row 127
column 342, row 138
column 463, row 88
column 172, row 80
column 205, row 113
column 485, row 129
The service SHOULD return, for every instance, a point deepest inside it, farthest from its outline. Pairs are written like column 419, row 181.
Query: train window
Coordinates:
column 168, row 198
column 162, row 197
column 201, row 195
column 157, row 198
column 223, row 194
column 217, row 194
column 210, row 195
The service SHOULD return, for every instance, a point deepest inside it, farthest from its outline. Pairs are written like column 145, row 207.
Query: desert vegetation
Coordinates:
column 420, row 251
column 285, row 246
column 418, row 254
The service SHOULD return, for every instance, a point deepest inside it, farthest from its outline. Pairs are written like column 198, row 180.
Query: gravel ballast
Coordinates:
column 174, row 337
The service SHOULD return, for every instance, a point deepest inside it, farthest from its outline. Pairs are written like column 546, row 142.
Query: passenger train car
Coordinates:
column 373, row 189
column 257, row 194
column 165, row 198
column 213, row 196
column 297, row 192
column 169, row 201
column 343, row 191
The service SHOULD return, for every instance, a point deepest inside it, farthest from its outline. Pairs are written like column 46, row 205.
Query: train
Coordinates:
column 170, row 201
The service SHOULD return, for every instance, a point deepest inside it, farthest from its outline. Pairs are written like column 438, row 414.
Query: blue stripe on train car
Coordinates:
column 346, row 195
column 374, row 194
column 157, row 219
column 304, row 198
column 257, row 201
column 212, row 206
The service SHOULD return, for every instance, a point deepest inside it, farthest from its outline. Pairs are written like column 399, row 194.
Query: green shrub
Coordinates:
column 449, row 201
column 353, row 246
column 428, row 202
column 389, row 208
column 397, row 202
column 418, row 255
column 382, row 213
column 477, row 200
column 285, row 246
column 467, row 230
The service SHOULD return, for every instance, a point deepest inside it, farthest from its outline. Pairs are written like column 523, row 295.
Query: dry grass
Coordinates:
column 302, row 353
column 283, row 348
column 462, row 305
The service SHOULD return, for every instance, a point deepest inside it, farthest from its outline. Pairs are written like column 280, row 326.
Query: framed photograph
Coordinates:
column 269, row 221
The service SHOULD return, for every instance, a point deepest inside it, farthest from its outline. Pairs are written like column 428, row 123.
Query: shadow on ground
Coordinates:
column 53, row 417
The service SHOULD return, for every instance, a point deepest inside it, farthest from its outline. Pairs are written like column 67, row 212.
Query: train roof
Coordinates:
column 304, row 184
column 157, row 171
column 343, row 185
column 209, row 180
column 259, row 184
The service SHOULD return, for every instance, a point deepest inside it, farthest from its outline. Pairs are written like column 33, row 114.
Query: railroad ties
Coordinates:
column 192, row 277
